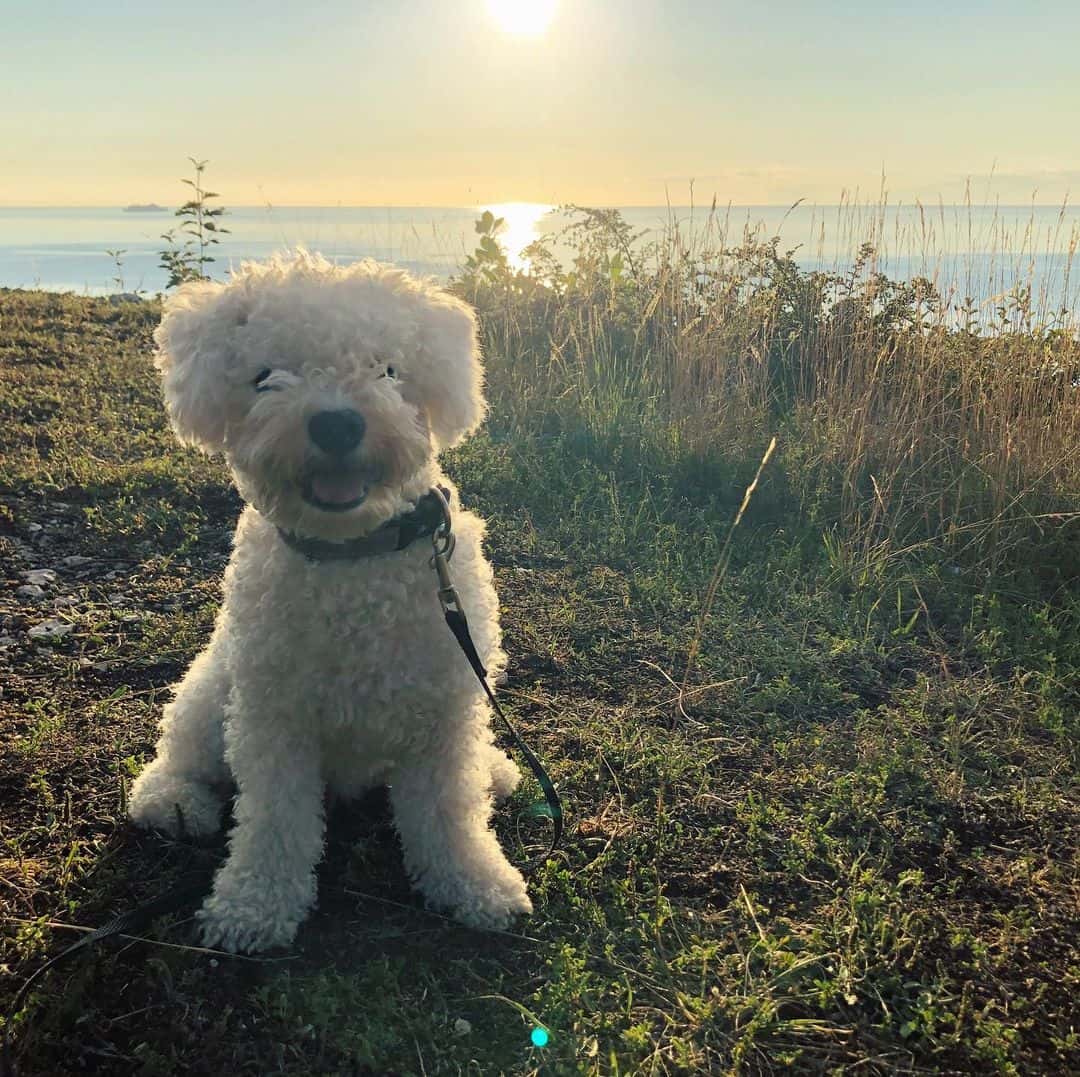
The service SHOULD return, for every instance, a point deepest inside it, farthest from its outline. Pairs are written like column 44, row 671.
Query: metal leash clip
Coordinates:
column 443, row 541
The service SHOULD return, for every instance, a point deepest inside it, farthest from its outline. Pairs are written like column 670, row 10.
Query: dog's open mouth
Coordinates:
column 335, row 491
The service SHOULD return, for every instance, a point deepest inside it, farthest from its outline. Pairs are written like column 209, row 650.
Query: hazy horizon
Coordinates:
column 1065, row 203
column 67, row 247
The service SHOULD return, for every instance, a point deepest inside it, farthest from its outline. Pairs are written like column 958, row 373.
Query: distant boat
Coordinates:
column 146, row 207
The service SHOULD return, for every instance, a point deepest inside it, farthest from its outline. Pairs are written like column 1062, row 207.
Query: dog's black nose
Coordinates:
column 337, row 432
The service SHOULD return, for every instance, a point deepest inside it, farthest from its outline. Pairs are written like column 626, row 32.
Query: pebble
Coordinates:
column 48, row 629
column 30, row 590
column 462, row 1027
column 76, row 561
column 34, row 528
column 39, row 576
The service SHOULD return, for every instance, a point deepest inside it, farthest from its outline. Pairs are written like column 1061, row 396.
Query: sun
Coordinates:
column 523, row 16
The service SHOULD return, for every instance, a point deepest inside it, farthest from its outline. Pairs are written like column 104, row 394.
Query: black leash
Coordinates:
column 460, row 627
column 443, row 541
column 131, row 922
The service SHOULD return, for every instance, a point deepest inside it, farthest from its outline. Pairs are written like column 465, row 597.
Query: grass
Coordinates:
column 844, row 839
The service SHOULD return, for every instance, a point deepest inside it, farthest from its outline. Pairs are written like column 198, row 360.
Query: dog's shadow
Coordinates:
column 366, row 904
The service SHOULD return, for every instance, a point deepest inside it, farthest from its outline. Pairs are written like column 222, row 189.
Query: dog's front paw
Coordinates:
column 493, row 907
column 175, row 804
column 490, row 902
column 249, row 915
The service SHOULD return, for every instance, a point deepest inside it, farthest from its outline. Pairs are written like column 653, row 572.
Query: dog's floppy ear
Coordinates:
column 448, row 379
column 193, row 342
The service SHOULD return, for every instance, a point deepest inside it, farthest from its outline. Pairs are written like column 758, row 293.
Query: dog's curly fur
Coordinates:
column 335, row 675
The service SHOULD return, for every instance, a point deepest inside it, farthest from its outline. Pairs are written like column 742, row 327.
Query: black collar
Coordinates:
column 396, row 534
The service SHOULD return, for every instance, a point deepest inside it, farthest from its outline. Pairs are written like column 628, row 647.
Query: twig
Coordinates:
column 718, row 574
column 437, row 915
column 58, row 924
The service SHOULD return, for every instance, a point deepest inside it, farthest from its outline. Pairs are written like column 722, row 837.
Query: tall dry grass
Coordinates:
column 942, row 409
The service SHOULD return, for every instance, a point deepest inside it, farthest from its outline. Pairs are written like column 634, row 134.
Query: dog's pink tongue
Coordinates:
column 337, row 489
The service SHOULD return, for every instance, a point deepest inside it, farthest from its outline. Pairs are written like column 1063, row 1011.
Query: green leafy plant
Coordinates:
column 186, row 256
column 488, row 261
column 117, row 255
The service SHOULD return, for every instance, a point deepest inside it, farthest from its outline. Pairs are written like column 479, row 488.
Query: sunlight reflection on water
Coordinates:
column 521, row 227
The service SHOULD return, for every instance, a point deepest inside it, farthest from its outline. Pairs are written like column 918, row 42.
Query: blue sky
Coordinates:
column 431, row 102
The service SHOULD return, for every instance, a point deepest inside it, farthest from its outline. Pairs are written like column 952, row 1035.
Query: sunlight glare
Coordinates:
column 520, row 228
column 523, row 16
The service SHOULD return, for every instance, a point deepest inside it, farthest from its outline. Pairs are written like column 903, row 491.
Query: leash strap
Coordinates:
column 128, row 923
column 456, row 621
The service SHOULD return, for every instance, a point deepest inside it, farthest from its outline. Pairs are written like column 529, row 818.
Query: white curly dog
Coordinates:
column 330, row 392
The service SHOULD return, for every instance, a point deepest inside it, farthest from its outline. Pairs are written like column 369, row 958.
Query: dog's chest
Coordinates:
column 367, row 637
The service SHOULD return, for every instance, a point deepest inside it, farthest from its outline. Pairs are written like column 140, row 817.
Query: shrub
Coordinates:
column 903, row 420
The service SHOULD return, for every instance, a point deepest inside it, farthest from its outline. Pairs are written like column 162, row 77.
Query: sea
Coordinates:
column 985, row 252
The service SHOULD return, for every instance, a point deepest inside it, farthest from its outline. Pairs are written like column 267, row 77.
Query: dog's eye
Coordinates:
column 261, row 377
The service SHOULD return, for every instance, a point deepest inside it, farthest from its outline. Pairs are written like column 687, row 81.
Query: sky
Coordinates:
column 616, row 102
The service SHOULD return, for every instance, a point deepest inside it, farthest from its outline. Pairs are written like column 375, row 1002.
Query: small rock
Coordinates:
column 7, row 641
column 39, row 576
column 65, row 600
column 76, row 561
column 33, row 528
column 118, row 599
column 30, row 590
column 462, row 1027
column 49, row 629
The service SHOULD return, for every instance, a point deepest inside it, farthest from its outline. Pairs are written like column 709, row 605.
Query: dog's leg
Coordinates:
column 176, row 791
column 505, row 774
column 442, row 807
column 267, row 885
